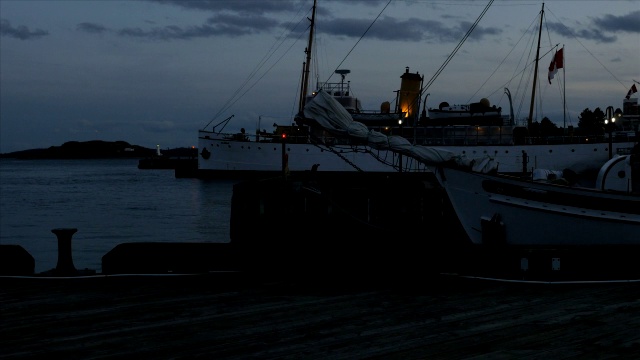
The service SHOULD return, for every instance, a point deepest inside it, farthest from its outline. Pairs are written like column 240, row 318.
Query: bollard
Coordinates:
column 65, row 262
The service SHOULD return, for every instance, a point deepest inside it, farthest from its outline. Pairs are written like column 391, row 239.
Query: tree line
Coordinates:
column 589, row 123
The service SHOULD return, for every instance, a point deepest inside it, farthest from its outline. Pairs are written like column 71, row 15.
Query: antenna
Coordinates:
column 343, row 73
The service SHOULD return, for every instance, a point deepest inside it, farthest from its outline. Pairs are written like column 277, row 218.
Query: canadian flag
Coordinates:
column 556, row 63
column 631, row 91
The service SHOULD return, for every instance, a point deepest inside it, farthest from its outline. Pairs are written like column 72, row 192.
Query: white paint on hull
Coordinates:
column 257, row 156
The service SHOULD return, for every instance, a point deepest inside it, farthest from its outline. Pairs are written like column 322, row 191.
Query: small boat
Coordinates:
column 533, row 219
column 526, row 210
column 499, row 209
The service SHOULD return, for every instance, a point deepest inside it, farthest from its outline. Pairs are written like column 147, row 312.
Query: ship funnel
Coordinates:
column 409, row 95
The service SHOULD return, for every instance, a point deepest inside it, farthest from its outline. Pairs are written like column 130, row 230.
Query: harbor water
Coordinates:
column 110, row 202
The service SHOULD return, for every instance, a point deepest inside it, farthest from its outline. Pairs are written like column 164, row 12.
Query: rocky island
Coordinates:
column 97, row 149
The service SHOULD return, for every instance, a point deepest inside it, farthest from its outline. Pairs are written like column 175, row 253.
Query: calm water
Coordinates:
column 109, row 202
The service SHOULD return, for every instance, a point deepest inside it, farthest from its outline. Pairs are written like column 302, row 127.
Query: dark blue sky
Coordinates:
column 154, row 72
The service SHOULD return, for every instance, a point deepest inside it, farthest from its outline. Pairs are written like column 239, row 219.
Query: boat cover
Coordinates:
column 329, row 114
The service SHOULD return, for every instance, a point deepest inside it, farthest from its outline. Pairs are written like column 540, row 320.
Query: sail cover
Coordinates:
column 329, row 114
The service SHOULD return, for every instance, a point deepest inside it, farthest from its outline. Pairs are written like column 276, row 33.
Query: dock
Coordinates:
column 226, row 316
column 325, row 268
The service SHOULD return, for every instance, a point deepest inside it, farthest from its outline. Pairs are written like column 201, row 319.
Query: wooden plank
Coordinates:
column 439, row 317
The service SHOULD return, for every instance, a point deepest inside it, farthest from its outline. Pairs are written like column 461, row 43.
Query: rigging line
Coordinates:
column 531, row 77
column 266, row 72
column 313, row 72
column 523, row 83
column 361, row 37
column 446, row 62
column 522, row 71
column 539, row 104
column 572, row 34
column 279, row 40
column 502, row 62
column 296, row 98
column 235, row 96
column 558, row 82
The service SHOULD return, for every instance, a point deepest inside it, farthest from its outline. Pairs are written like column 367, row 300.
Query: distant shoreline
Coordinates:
column 97, row 149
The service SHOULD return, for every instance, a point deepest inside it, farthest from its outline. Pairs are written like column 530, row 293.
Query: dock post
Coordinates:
column 65, row 261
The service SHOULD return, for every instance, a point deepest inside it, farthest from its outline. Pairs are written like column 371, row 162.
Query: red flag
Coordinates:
column 556, row 63
column 631, row 91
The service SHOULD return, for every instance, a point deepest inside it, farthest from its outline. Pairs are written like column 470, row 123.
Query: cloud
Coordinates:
column 251, row 22
column 91, row 28
column 241, row 7
column 220, row 25
column 626, row 23
column 232, row 25
column 413, row 29
column 596, row 35
column 600, row 27
column 247, row 17
column 20, row 32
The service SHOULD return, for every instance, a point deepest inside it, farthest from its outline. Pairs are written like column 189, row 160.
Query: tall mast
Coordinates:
column 564, row 90
column 307, row 64
column 535, row 72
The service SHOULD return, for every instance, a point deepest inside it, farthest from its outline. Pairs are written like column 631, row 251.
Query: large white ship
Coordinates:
column 473, row 130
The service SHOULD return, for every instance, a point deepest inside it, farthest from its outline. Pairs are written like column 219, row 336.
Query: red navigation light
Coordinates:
column 284, row 136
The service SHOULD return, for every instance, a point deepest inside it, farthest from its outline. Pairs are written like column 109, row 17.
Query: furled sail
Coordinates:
column 330, row 115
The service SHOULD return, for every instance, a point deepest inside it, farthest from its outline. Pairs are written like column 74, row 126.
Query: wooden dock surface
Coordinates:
column 228, row 316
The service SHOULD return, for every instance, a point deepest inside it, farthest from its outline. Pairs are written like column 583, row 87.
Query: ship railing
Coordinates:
column 624, row 136
column 460, row 135
column 336, row 89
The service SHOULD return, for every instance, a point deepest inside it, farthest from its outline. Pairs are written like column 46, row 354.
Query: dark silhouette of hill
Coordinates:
column 97, row 149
